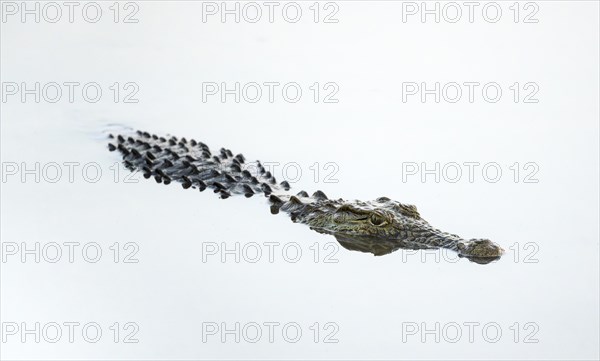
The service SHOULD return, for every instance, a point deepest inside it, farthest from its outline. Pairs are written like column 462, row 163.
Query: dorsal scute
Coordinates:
column 192, row 164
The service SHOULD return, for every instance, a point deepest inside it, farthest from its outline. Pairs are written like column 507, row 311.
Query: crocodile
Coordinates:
column 380, row 226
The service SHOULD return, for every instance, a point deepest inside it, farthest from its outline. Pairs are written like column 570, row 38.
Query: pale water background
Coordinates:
column 170, row 292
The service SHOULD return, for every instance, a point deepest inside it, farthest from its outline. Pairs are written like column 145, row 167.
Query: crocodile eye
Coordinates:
column 377, row 220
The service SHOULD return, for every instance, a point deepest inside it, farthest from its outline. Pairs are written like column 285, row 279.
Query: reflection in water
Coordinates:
column 380, row 247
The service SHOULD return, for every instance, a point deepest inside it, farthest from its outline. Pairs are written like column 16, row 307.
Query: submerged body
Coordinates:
column 380, row 226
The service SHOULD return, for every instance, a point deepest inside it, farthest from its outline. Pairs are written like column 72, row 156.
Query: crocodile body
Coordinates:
column 380, row 226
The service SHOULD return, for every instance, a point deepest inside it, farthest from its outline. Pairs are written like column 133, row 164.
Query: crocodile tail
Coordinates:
column 193, row 165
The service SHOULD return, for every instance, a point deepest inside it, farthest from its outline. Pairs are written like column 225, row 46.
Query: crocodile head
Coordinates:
column 382, row 226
